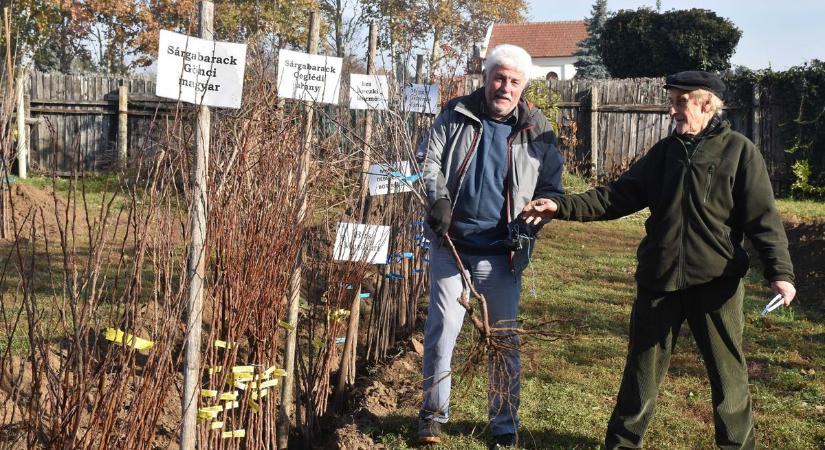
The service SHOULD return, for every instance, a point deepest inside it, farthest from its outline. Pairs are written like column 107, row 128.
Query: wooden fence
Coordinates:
column 75, row 120
column 628, row 116
column 75, row 126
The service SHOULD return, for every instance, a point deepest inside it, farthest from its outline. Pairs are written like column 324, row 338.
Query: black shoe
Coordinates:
column 429, row 432
column 504, row 441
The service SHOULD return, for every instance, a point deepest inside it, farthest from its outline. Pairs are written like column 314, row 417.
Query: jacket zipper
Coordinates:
column 463, row 167
column 510, row 170
column 685, row 198
column 708, row 182
column 508, row 184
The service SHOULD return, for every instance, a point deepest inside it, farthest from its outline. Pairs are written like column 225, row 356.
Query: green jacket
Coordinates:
column 700, row 209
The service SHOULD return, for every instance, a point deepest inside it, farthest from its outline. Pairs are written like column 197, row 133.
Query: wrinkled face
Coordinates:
column 690, row 114
column 502, row 89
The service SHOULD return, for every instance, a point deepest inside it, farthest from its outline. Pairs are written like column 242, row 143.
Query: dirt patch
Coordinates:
column 31, row 203
column 350, row 437
column 806, row 244
column 807, row 247
column 392, row 386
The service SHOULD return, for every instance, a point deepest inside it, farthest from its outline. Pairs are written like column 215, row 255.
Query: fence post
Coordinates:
column 22, row 136
column 122, row 123
column 296, row 279
column 196, row 259
column 756, row 118
column 594, row 131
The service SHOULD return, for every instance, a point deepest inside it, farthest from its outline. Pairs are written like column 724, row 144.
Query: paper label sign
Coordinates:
column 311, row 78
column 368, row 91
column 200, row 71
column 421, row 98
column 359, row 242
column 389, row 179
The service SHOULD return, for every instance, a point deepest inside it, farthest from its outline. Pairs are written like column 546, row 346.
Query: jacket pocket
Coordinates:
column 708, row 182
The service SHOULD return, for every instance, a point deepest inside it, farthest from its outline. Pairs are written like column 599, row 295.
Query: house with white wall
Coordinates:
column 551, row 44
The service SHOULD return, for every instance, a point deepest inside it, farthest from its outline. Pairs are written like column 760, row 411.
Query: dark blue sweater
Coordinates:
column 479, row 216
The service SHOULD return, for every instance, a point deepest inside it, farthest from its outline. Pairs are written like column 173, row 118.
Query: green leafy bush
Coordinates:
column 800, row 89
column 539, row 93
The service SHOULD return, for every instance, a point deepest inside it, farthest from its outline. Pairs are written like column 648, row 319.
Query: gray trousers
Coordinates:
column 492, row 277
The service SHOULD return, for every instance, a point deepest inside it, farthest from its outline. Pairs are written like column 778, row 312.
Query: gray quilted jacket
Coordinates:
column 446, row 151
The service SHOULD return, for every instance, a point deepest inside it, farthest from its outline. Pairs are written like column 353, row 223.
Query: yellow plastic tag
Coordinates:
column 208, row 393
column 206, row 415
column 260, row 394
column 228, row 396
column 274, row 371
column 243, row 369
column 233, row 434
column 230, row 405
column 119, row 337
column 223, row 344
column 261, row 376
column 216, row 425
column 243, row 377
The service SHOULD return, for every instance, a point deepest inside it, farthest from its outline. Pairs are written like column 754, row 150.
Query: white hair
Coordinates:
column 511, row 56
column 716, row 103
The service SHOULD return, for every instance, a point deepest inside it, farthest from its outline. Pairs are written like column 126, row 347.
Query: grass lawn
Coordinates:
column 584, row 272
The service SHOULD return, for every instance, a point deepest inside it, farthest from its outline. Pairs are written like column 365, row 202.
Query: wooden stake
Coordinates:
column 594, row 132
column 22, row 136
column 4, row 193
column 122, row 124
column 286, row 408
column 196, row 259
column 367, row 161
column 346, row 374
column 419, row 69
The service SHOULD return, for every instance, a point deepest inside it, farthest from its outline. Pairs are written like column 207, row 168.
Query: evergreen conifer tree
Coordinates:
column 589, row 64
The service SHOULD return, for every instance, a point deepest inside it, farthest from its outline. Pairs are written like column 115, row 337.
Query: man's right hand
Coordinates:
column 539, row 210
column 440, row 216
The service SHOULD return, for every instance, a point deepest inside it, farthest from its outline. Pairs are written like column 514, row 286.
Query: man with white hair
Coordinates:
column 486, row 156
column 707, row 187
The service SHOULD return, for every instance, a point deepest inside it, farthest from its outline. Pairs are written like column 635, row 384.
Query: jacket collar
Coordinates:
column 715, row 127
column 473, row 106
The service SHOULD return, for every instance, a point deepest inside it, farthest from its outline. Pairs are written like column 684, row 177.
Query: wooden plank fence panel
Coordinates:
column 78, row 121
column 633, row 116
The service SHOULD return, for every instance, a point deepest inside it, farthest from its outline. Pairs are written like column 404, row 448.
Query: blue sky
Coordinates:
column 779, row 34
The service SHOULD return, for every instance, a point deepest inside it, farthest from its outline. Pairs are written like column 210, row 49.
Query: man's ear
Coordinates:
column 706, row 106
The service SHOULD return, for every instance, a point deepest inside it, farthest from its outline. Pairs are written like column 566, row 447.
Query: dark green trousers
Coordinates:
column 714, row 313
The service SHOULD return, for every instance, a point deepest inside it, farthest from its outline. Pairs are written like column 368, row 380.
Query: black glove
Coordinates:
column 440, row 216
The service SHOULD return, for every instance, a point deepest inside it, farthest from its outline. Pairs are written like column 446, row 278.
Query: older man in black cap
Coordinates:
column 707, row 187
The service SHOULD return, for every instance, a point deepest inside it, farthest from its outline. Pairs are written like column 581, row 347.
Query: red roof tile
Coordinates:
column 540, row 39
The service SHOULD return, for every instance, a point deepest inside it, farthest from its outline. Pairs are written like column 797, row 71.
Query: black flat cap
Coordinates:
column 691, row 80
